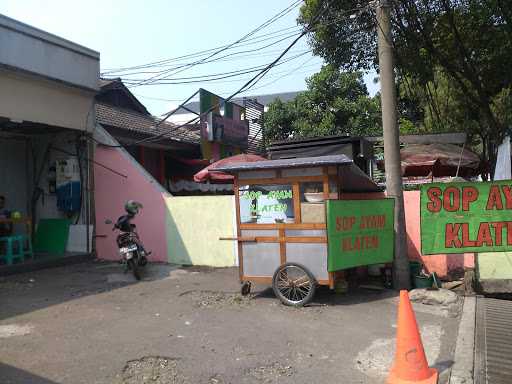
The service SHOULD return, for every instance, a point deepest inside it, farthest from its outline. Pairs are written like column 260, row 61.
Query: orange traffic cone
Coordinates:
column 410, row 362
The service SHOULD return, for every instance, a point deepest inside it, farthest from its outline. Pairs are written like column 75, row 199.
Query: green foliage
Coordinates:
column 453, row 55
column 335, row 103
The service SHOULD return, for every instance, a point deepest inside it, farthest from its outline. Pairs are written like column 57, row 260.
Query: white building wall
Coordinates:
column 26, row 98
column 30, row 49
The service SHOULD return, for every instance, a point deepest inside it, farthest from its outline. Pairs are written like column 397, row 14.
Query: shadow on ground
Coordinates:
column 13, row 375
column 326, row 297
column 26, row 292
column 443, row 365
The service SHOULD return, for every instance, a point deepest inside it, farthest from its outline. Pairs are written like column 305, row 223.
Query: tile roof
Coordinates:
column 139, row 123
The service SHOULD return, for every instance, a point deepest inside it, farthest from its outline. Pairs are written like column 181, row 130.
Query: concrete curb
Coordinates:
column 462, row 369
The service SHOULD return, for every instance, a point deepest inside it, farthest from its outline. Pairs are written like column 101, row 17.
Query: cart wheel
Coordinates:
column 246, row 288
column 293, row 284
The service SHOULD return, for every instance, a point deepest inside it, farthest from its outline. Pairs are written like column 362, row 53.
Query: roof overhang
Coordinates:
column 353, row 178
column 31, row 50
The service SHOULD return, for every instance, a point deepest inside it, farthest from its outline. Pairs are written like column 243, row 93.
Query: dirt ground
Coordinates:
column 90, row 323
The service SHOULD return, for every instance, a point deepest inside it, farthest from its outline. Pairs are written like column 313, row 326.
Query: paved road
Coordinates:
column 89, row 323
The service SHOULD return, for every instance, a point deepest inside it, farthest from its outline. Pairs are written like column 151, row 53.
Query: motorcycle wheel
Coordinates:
column 132, row 264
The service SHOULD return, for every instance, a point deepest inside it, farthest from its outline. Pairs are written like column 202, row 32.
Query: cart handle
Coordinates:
column 243, row 239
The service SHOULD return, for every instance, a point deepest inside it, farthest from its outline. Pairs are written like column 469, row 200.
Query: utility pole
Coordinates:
column 401, row 277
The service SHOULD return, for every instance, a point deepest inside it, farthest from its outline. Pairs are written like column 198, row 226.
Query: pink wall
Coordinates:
column 443, row 265
column 112, row 191
column 451, row 264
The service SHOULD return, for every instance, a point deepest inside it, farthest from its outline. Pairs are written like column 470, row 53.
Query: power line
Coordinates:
column 248, row 85
column 264, row 25
column 184, row 67
column 228, row 57
column 286, row 73
column 138, row 82
column 238, row 57
column 211, row 77
column 248, row 41
column 164, row 63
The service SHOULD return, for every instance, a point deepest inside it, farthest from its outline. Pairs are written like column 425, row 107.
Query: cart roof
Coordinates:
column 286, row 163
column 354, row 179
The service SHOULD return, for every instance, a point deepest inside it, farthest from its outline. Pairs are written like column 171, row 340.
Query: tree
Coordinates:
column 466, row 43
column 334, row 103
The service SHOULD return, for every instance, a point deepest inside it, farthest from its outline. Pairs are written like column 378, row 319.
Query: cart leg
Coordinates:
column 388, row 277
column 332, row 280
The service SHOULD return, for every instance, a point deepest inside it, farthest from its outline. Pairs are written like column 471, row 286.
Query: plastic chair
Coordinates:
column 10, row 255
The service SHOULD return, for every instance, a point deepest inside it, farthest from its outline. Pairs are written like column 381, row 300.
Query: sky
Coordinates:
column 132, row 32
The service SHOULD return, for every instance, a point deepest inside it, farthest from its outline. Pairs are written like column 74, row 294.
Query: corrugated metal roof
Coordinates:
column 287, row 163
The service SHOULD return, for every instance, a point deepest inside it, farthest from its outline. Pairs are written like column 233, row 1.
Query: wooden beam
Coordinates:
column 283, row 225
column 296, row 203
column 258, row 279
column 281, row 239
column 238, row 230
column 268, row 280
column 326, row 183
column 306, row 239
column 282, row 246
column 282, row 180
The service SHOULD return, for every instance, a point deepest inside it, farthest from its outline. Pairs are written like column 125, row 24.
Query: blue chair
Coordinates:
column 13, row 253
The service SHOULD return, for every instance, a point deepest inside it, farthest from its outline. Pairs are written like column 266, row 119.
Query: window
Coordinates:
column 311, row 191
column 266, row 204
column 312, row 208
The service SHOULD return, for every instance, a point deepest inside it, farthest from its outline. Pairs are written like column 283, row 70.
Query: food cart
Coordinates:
column 302, row 221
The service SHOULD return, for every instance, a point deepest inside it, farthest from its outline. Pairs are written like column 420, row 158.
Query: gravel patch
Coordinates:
column 152, row 370
column 270, row 374
column 212, row 299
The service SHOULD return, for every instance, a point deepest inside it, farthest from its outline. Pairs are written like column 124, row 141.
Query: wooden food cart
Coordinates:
column 295, row 230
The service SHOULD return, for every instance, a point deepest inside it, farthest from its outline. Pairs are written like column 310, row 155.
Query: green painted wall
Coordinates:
column 194, row 225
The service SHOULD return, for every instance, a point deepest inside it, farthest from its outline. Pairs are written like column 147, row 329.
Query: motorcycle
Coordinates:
column 131, row 250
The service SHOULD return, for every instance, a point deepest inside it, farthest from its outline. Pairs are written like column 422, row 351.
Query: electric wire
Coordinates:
column 264, row 25
column 248, row 85
column 216, row 76
column 248, row 41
